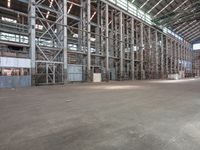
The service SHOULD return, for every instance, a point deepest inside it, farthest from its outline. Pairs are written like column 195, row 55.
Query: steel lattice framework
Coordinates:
column 70, row 39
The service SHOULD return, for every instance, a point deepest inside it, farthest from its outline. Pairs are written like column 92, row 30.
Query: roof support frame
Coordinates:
column 155, row 6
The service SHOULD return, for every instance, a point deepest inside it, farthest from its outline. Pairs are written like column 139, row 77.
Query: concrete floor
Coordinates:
column 140, row 115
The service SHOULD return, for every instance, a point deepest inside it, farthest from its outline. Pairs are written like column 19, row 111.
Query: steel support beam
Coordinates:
column 89, row 76
column 65, row 40
column 132, row 49
column 150, row 53
column 32, row 37
column 178, row 56
column 107, row 44
column 162, row 57
column 167, row 57
column 121, row 46
column 142, row 51
column 156, row 54
column 171, row 57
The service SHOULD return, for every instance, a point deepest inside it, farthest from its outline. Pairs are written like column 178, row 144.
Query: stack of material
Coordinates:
column 173, row 76
column 181, row 74
column 97, row 77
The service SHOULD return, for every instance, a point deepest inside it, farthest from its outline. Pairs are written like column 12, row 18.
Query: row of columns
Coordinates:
column 86, row 16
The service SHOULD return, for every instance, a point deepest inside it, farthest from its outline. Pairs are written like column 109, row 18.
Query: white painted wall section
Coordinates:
column 15, row 62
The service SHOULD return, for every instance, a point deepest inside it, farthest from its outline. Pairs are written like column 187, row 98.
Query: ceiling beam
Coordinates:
column 132, row 1
column 191, row 32
column 188, row 25
column 186, row 17
column 164, row 8
column 189, row 28
column 154, row 6
column 191, row 35
column 179, row 26
column 176, row 17
column 144, row 4
column 180, row 5
column 195, row 38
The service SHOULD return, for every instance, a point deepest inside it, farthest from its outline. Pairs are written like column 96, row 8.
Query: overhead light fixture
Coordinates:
column 8, row 3
column 92, row 39
column 50, row 5
column 93, row 15
column 70, row 7
column 47, row 15
column 75, row 35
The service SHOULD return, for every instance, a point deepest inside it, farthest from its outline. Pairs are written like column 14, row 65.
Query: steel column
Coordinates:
column 167, row 57
column 142, row 75
column 156, row 53
column 132, row 50
column 107, row 44
column 65, row 40
column 88, row 3
column 162, row 57
column 121, row 46
column 32, row 37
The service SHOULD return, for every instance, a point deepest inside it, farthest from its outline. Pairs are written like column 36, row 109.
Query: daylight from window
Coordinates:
column 196, row 46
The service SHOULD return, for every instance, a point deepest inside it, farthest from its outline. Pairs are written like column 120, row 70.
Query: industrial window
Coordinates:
column 8, row 20
column 13, row 37
column 196, row 46
column 37, row 26
column 73, row 47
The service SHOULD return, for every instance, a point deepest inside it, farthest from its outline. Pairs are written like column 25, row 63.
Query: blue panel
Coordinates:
column 15, row 81
column 75, row 73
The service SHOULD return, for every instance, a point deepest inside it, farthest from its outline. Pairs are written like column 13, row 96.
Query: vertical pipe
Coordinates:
column 121, row 46
column 162, row 57
column 47, row 73
column 185, row 57
column 107, row 46
column 88, row 41
column 32, row 39
column 167, row 57
column 150, row 53
column 181, row 56
column 156, row 53
column 171, row 57
column 175, row 56
column 65, row 40
column 132, row 50
column 83, row 25
column 141, row 51
column 178, row 54
column 54, row 76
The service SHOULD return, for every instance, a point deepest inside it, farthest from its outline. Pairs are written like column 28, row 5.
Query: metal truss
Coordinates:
column 101, row 38
column 49, row 58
